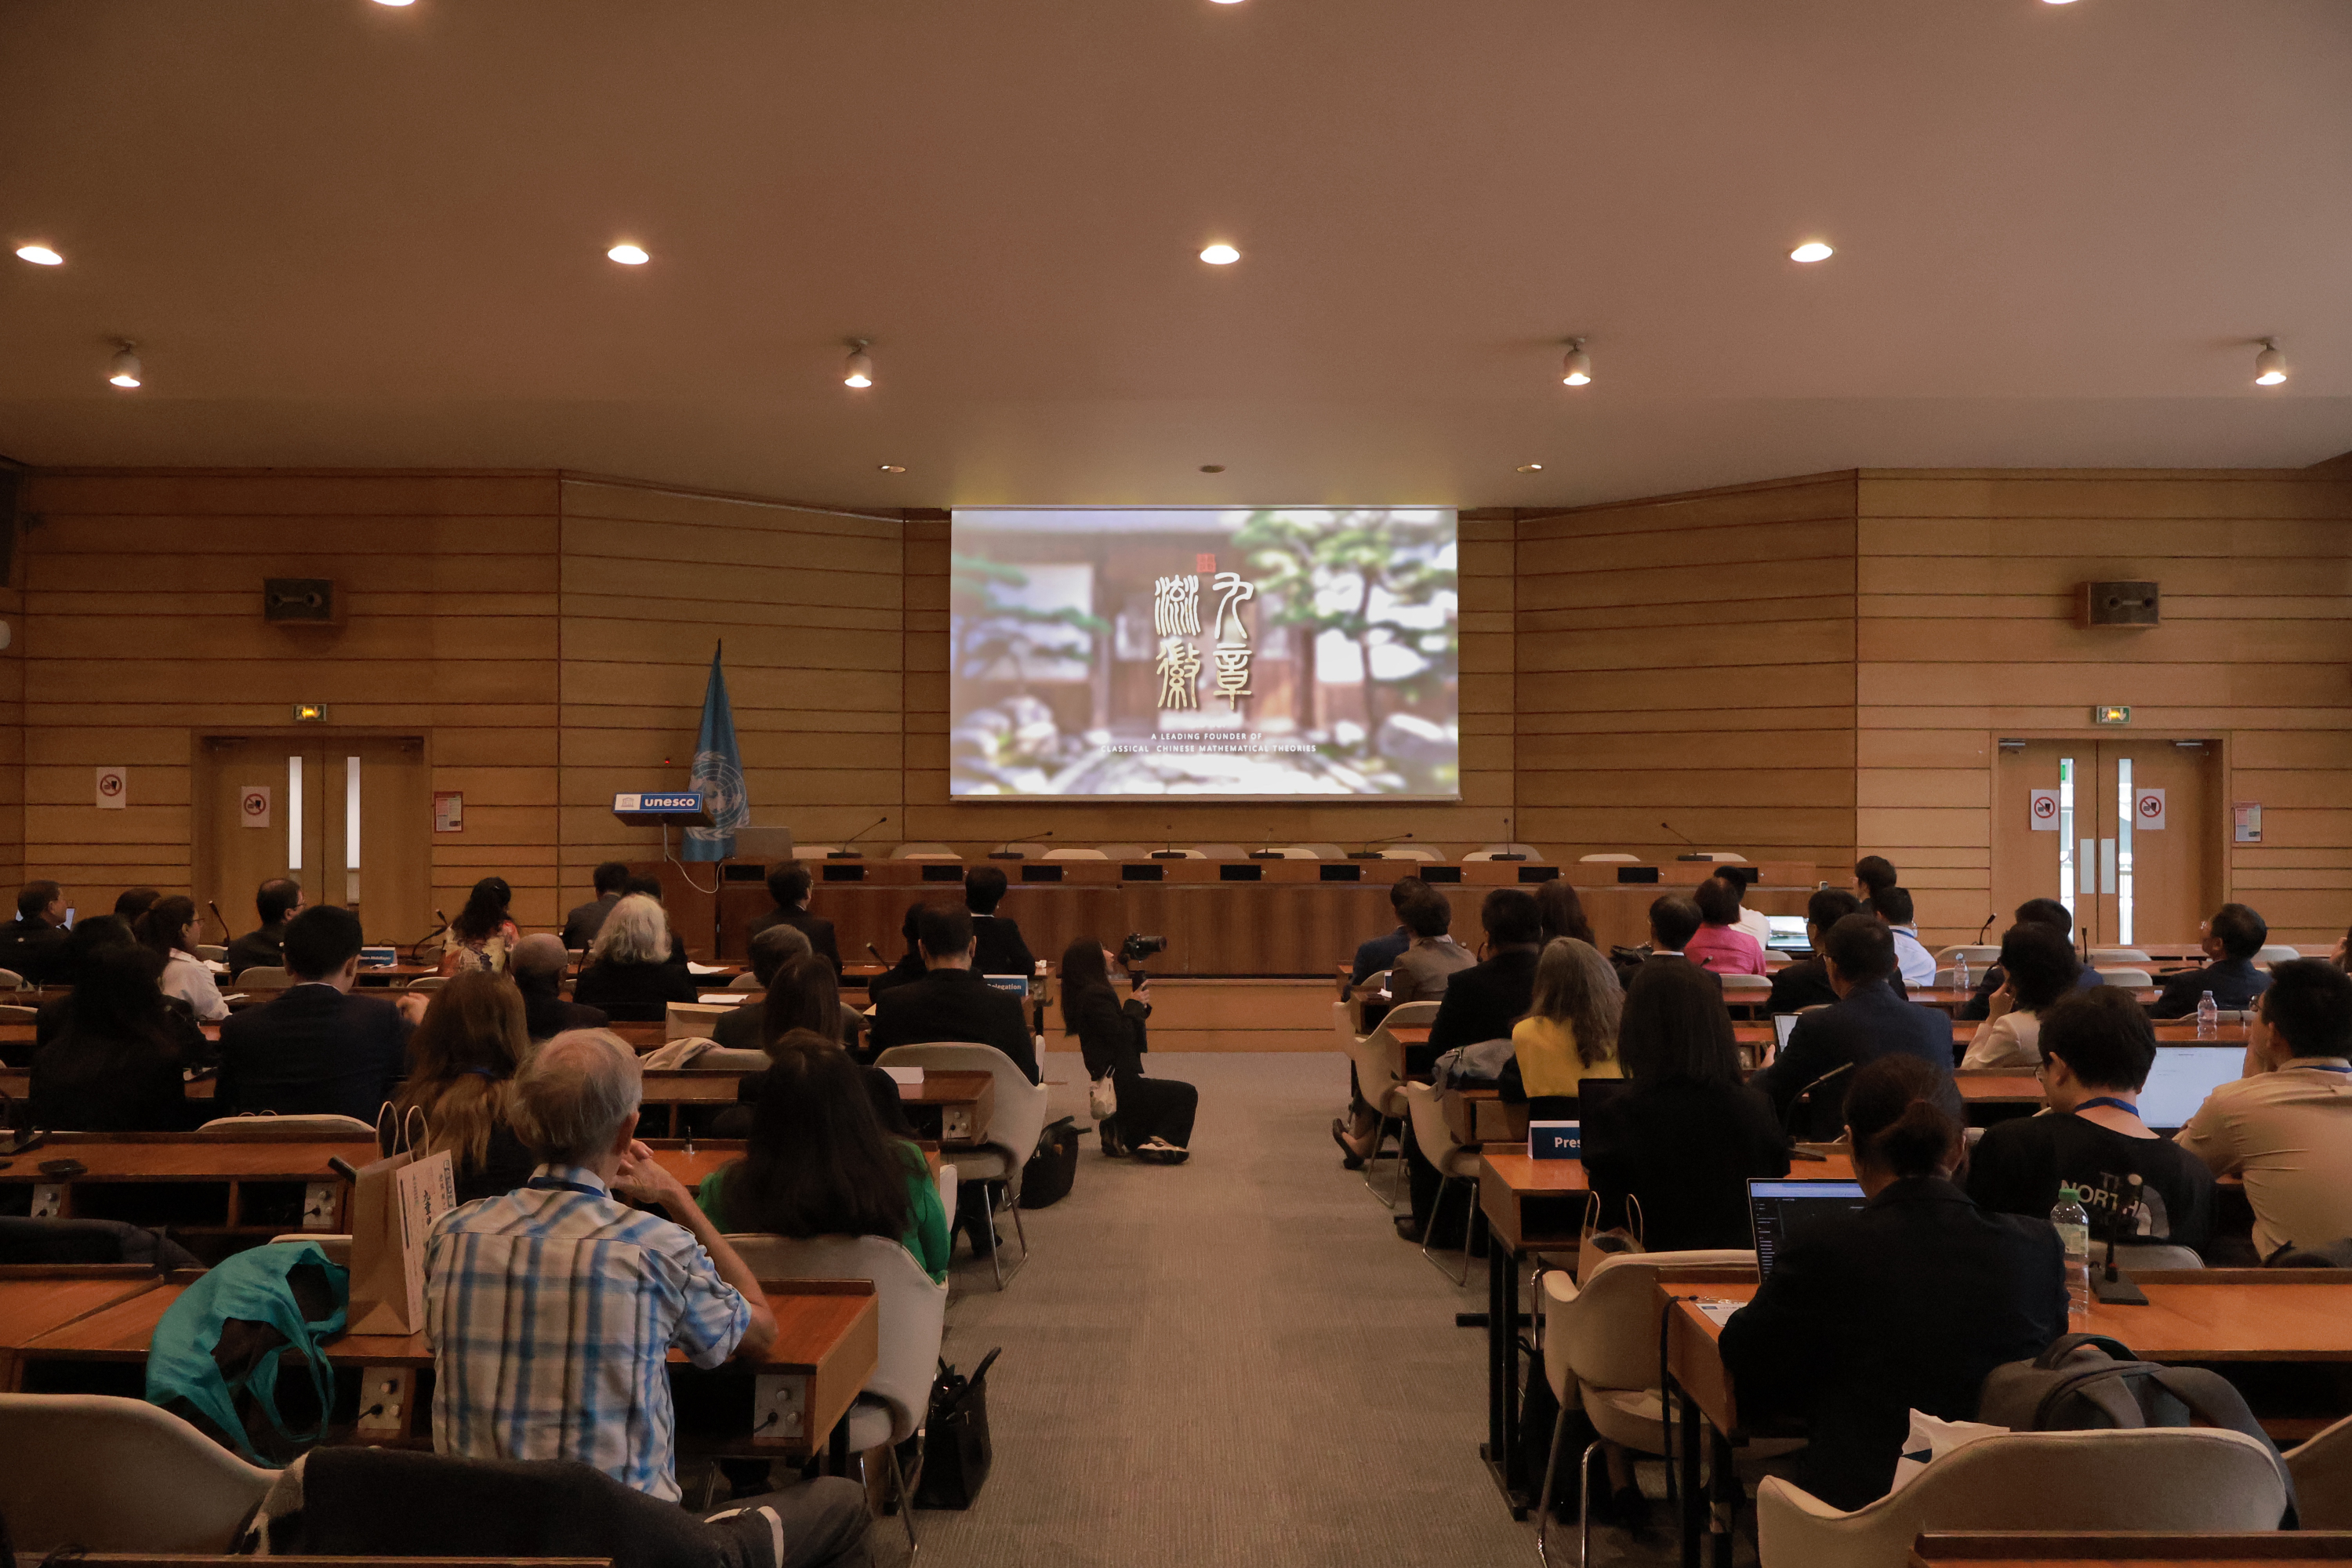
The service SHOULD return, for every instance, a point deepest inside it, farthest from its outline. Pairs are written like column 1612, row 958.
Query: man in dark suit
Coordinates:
column 34, row 943
column 317, row 1049
column 789, row 885
column 999, row 950
column 1481, row 1003
column 279, row 901
column 537, row 964
column 580, row 926
column 951, row 1001
column 1806, row 983
column 2232, row 936
column 1868, row 1021
column 771, row 951
column 2034, row 911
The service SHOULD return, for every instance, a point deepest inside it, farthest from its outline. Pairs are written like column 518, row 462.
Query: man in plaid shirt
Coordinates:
column 552, row 1310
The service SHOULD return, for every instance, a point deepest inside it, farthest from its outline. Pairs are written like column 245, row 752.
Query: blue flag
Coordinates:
column 718, row 773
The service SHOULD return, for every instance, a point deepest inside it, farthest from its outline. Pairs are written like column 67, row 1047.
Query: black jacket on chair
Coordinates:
column 1868, row 1023
column 1904, row 1305
column 954, row 1004
column 314, row 1051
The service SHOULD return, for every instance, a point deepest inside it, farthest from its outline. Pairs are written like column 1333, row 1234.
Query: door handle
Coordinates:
column 2106, row 865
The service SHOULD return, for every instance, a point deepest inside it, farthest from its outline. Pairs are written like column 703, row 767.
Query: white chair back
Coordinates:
column 262, row 977
column 1608, row 859
column 1603, row 1330
column 426, row 983
column 2322, row 1468
column 1436, row 1137
column 1076, row 855
column 1411, row 854
column 1746, row 982
column 912, row 1309
column 2138, row 1255
column 1216, row 852
column 12, row 1013
column 2102, row 956
column 1380, row 1058
column 747, row 981
column 211, row 951
column 1977, row 956
column 924, row 852
column 2277, row 952
column 117, row 1475
column 319, row 1123
column 2129, row 979
column 2168, row 1480
column 1294, row 852
column 11, row 981
column 1020, row 1114
column 1124, row 852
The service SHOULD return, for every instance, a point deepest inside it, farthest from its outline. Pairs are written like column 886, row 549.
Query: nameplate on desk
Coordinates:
column 378, row 957
column 1048, row 873
column 1232, row 872
column 853, row 871
column 1555, row 1140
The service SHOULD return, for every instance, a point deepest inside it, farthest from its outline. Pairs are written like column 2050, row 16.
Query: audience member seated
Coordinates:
column 276, row 901
column 1873, row 875
column 1903, row 1306
column 552, row 1311
column 483, row 934
column 2034, row 911
column 2039, row 967
column 317, row 1049
column 1736, row 878
column 2287, row 1125
column 1431, row 960
column 88, row 939
column 580, row 926
column 33, row 944
column 1687, row 1132
column 774, row 948
column 169, row 929
column 1154, row 1120
column 2232, row 936
column 950, row 1002
column 802, row 994
column 628, row 973
column 997, row 946
column 538, row 965
column 651, row 887
column 132, row 902
column 2096, row 1048
column 1381, row 952
column 819, row 1163
column 1912, row 961
column 1561, row 913
column 1806, row 983
column 1569, row 1033
column 1719, row 946
column 909, row 967
column 462, row 1061
column 1868, row 1021
column 116, row 1065
column 789, row 884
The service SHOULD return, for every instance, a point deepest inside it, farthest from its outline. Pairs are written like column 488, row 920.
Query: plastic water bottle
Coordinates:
column 2074, row 1225
column 2209, row 1018
column 1960, row 978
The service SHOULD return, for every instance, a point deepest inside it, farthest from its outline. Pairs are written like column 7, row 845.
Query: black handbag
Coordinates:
column 1052, row 1170
column 955, row 1441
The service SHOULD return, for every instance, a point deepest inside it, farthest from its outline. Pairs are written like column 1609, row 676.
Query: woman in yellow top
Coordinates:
column 1571, row 1031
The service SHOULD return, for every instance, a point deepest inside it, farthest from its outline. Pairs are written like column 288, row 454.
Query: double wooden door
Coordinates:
column 349, row 818
column 2127, row 832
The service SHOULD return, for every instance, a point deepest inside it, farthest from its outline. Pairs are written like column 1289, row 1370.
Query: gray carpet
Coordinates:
column 1233, row 1360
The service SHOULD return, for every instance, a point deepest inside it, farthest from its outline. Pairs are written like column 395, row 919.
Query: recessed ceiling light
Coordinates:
column 2269, row 366
column 1811, row 250
column 124, row 370
column 1221, row 254
column 1213, row 468
column 1224, row 2
column 892, row 467
column 629, row 255
column 858, row 371
column 40, row 256
column 2057, row 1
column 1531, row 467
column 395, row 1
column 1576, row 365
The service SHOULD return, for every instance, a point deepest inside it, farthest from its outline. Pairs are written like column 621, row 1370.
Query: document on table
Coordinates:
column 694, row 968
column 1718, row 1313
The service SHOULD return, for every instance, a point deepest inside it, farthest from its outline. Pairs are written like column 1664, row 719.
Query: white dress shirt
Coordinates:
column 185, row 976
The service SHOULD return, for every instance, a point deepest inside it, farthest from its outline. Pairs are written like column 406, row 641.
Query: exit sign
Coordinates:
column 2110, row 715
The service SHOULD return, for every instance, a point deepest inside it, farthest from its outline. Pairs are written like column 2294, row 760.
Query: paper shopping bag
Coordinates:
column 394, row 1206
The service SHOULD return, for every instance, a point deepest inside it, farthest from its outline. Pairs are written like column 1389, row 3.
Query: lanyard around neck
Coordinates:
column 2111, row 1102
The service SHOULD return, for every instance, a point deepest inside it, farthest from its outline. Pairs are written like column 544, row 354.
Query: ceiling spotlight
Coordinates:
column 859, row 371
column 1576, row 366
column 1811, row 250
column 626, row 255
column 892, row 467
column 40, row 255
column 1221, row 254
column 124, row 370
column 1531, row 467
column 2269, row 366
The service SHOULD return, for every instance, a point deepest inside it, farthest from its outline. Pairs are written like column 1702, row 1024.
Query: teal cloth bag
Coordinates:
column 255, row 1288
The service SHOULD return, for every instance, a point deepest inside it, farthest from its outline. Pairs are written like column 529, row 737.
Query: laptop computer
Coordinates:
column 2179, row 1080
column 1780, row 1209
column 1787, row 934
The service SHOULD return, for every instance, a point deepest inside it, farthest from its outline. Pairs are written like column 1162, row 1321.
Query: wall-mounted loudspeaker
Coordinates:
column 2116, row 604
column 300, row 601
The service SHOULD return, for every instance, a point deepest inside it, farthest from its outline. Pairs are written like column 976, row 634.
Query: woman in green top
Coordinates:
column 819, row 1163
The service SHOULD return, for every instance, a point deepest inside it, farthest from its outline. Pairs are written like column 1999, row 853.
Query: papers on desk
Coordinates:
column 694, row 968
column 215, row 965
column 907, row 1077
column 1718, row 1313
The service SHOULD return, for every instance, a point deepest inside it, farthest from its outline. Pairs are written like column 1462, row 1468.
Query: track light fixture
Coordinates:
column 124, row 370
column 1576, row 367
column 859, row 371
column 2269, row 366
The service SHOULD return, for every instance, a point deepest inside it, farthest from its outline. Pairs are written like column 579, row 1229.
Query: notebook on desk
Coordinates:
column 1780, row 1209
column 2180, row 1079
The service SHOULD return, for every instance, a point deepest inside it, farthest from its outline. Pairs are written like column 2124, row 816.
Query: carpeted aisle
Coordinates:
column 1233, row 1361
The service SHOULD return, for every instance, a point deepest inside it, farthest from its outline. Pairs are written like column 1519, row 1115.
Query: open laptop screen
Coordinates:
column 2181, row 1078
column 1782, row 1209
column 1788, row 934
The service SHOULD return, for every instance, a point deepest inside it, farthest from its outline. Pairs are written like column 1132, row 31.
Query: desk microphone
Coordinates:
column 1509, row 853
column 1984, row 927
column 845, row 852
column 1265, row 850
column 878, row 954
column 1005, row 851
column 215, row 907
column 1168, row 850
column 1371, row 851
column 1687, row 839
column 2112, row 1287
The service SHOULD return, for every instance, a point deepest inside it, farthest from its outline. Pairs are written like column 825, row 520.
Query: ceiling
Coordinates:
column 343, row 234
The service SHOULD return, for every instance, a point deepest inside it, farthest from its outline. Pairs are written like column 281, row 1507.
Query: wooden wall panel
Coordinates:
column 1965, row 632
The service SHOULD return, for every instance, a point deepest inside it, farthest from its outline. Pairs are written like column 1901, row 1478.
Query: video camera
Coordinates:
column 1134, row 951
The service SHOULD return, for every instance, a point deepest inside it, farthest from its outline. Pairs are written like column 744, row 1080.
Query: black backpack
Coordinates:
column 1052, row 1170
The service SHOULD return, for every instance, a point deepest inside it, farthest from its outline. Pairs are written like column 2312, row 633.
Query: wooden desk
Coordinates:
column 38, row 1299
column 117, row 1164
column 2122, row 1549
column 827, row 1334
column 17, row 1084
column 950, row 1108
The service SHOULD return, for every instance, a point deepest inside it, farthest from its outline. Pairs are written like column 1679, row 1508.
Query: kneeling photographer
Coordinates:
column 1153, row 1118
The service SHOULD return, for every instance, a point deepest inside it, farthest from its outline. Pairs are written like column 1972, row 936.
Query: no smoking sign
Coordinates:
column 253, row 805
column 113, row 789
column 2147, row 809
column 2044, row 813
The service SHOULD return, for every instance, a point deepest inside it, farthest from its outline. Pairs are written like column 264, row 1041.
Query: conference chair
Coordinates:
column 1978, row 957
column 1609, row 859
column 1753, row 983
column 11, row 1013
column 2322, row 1468
column 2129, row 979
column 1125, row 852
column 212, row 952
column 1601, row 1344
column 1411, row 854
column 912, row 1315
column 117, row 1475
column 1293, row 851
column 1076, row 855
column 426, row 983
column 1013, row 1129
column 2142, row 1255
column 2102, row 956
column 1456, row 1162
column 2169, row 1481
column 924, row 852
column 747, row 981
column 1489, row 851
column 2277, row 952
column 262, row 977
column 1378, row 1057
column 321, row 1124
